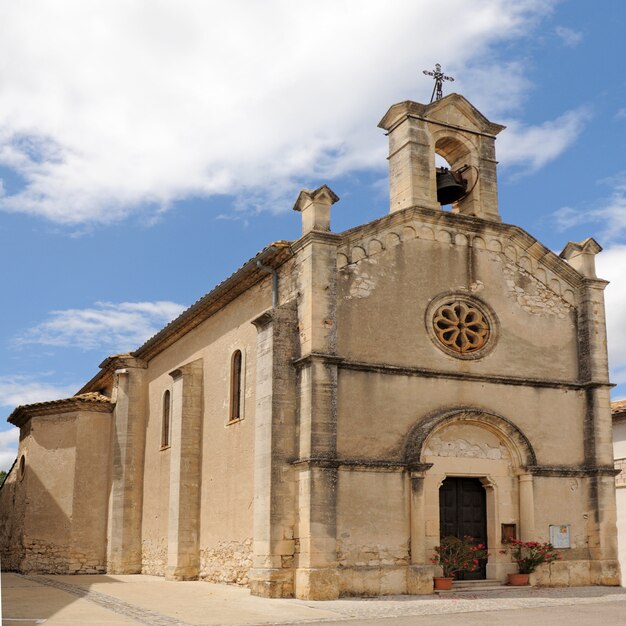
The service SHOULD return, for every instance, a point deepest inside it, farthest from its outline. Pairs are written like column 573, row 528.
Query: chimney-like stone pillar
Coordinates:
column 582, row 256
column 183, row 531
column 594, row 375
column 129, row 442
column 315, row 208
column 317, row 575
column 275, row 497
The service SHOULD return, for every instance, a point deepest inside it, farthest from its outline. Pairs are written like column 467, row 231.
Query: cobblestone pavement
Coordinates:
column 143, row 616
column 116, row 600
column 401, row 606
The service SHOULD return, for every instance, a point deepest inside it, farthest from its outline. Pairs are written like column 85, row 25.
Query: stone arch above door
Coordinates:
column 495, row 438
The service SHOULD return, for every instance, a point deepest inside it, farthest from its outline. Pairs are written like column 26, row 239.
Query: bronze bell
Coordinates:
column 450, row 186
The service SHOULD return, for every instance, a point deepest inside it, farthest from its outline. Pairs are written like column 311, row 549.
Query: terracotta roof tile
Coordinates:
column 24, row 412
column 618, row 408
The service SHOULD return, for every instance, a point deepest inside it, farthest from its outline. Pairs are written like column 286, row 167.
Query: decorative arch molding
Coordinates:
column 454, row 147
column 519, row 445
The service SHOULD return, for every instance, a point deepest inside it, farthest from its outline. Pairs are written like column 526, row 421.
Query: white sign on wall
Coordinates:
column 560, row 535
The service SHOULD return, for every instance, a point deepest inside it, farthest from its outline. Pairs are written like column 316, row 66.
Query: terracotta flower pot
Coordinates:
column 442, row 584
column 518, row 580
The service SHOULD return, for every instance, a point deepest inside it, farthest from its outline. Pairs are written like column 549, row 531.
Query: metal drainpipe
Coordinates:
column 273, row 272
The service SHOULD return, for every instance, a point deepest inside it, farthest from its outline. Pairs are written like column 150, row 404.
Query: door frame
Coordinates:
column 485, row 538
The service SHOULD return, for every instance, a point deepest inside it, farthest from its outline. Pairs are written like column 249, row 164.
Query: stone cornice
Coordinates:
column 567, row 471
column 469, row 225
column 361, row 464
column 428, row 112
column 104, row 377
column 558, row 471
column 91, row 402
column 423, row 372
column 307, row 359
column 316, row 236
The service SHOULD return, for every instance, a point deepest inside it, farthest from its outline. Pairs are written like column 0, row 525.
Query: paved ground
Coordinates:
column 121, row 600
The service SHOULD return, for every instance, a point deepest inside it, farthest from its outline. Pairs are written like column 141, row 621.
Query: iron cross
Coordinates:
column 439, row 77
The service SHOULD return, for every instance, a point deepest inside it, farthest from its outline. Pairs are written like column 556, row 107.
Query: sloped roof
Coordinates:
column 618, row 409
column 239, row 281
column 408, row 108
column 91, row 401
column 247, row 275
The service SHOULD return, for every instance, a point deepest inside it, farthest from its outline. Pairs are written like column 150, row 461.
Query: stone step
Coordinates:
column 477, row 586
column 498, row 587
column 486, row 582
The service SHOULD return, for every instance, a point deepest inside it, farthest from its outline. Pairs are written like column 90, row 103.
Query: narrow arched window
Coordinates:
column 165, row 423
column 235, row 386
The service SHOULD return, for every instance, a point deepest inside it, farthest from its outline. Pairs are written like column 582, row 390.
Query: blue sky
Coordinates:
column 147, row 149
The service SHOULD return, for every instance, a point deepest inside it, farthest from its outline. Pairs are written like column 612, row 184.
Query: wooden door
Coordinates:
column 463, row 511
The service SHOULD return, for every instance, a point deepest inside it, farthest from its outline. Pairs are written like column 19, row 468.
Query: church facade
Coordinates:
column 316, row 423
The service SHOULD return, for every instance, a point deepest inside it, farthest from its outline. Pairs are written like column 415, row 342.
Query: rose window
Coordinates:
column 461, row 326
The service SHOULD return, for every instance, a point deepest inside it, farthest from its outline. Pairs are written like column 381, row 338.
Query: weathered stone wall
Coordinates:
column 42, row 557
column 54, row 512
column 227, row 454
column 393, row 375
column 372, row 518
column 154, row 557
column 407, row 265
column 227, row 562
column 12, row 510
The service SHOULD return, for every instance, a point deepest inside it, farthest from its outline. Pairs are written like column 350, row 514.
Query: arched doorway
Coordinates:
column 463, row 512
column 469, row 476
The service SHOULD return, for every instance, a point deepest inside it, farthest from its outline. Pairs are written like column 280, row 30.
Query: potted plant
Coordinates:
column 529, row 555
column 457, row 555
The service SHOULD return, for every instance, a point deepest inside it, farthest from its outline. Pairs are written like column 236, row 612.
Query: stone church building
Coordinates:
column 313, row 425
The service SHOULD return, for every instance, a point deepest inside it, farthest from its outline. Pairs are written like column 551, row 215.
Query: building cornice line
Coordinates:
column 551, row 471
column 88, row 402
column 422, row 372
column 316, row 236
column 470, row 225
column 563, row 471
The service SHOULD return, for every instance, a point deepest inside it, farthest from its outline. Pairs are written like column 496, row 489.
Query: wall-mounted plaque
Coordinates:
column 560, row 535
column 508, row 532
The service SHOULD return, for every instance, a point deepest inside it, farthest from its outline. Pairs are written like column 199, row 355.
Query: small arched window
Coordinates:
column 165, row 423
column 235, row 386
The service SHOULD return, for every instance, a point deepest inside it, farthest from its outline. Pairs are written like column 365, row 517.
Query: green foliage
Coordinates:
column 459, row 555
column 3, row 475
column 529, row 555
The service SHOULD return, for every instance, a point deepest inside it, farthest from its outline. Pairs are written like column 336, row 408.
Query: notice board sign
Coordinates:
column 560, row 535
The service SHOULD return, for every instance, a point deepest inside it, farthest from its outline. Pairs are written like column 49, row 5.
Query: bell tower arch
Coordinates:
column 455, row 129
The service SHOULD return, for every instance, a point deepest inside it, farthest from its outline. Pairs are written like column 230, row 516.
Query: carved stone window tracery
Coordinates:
column 461, row 325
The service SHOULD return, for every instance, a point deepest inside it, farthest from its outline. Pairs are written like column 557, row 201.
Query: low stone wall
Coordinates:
column 227, row 562
column 576, row 573
column 41, row 557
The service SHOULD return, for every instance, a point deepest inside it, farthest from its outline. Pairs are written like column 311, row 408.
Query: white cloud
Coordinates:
column 531, row 147
column 105, row 326
column 610, row 213
column 17, row 390
column 109, row 106
column 8, row 447
column 611, row 265
column 571, row 38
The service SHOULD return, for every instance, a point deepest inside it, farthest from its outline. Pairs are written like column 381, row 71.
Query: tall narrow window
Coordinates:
column 235, row 386
column 165, row 424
